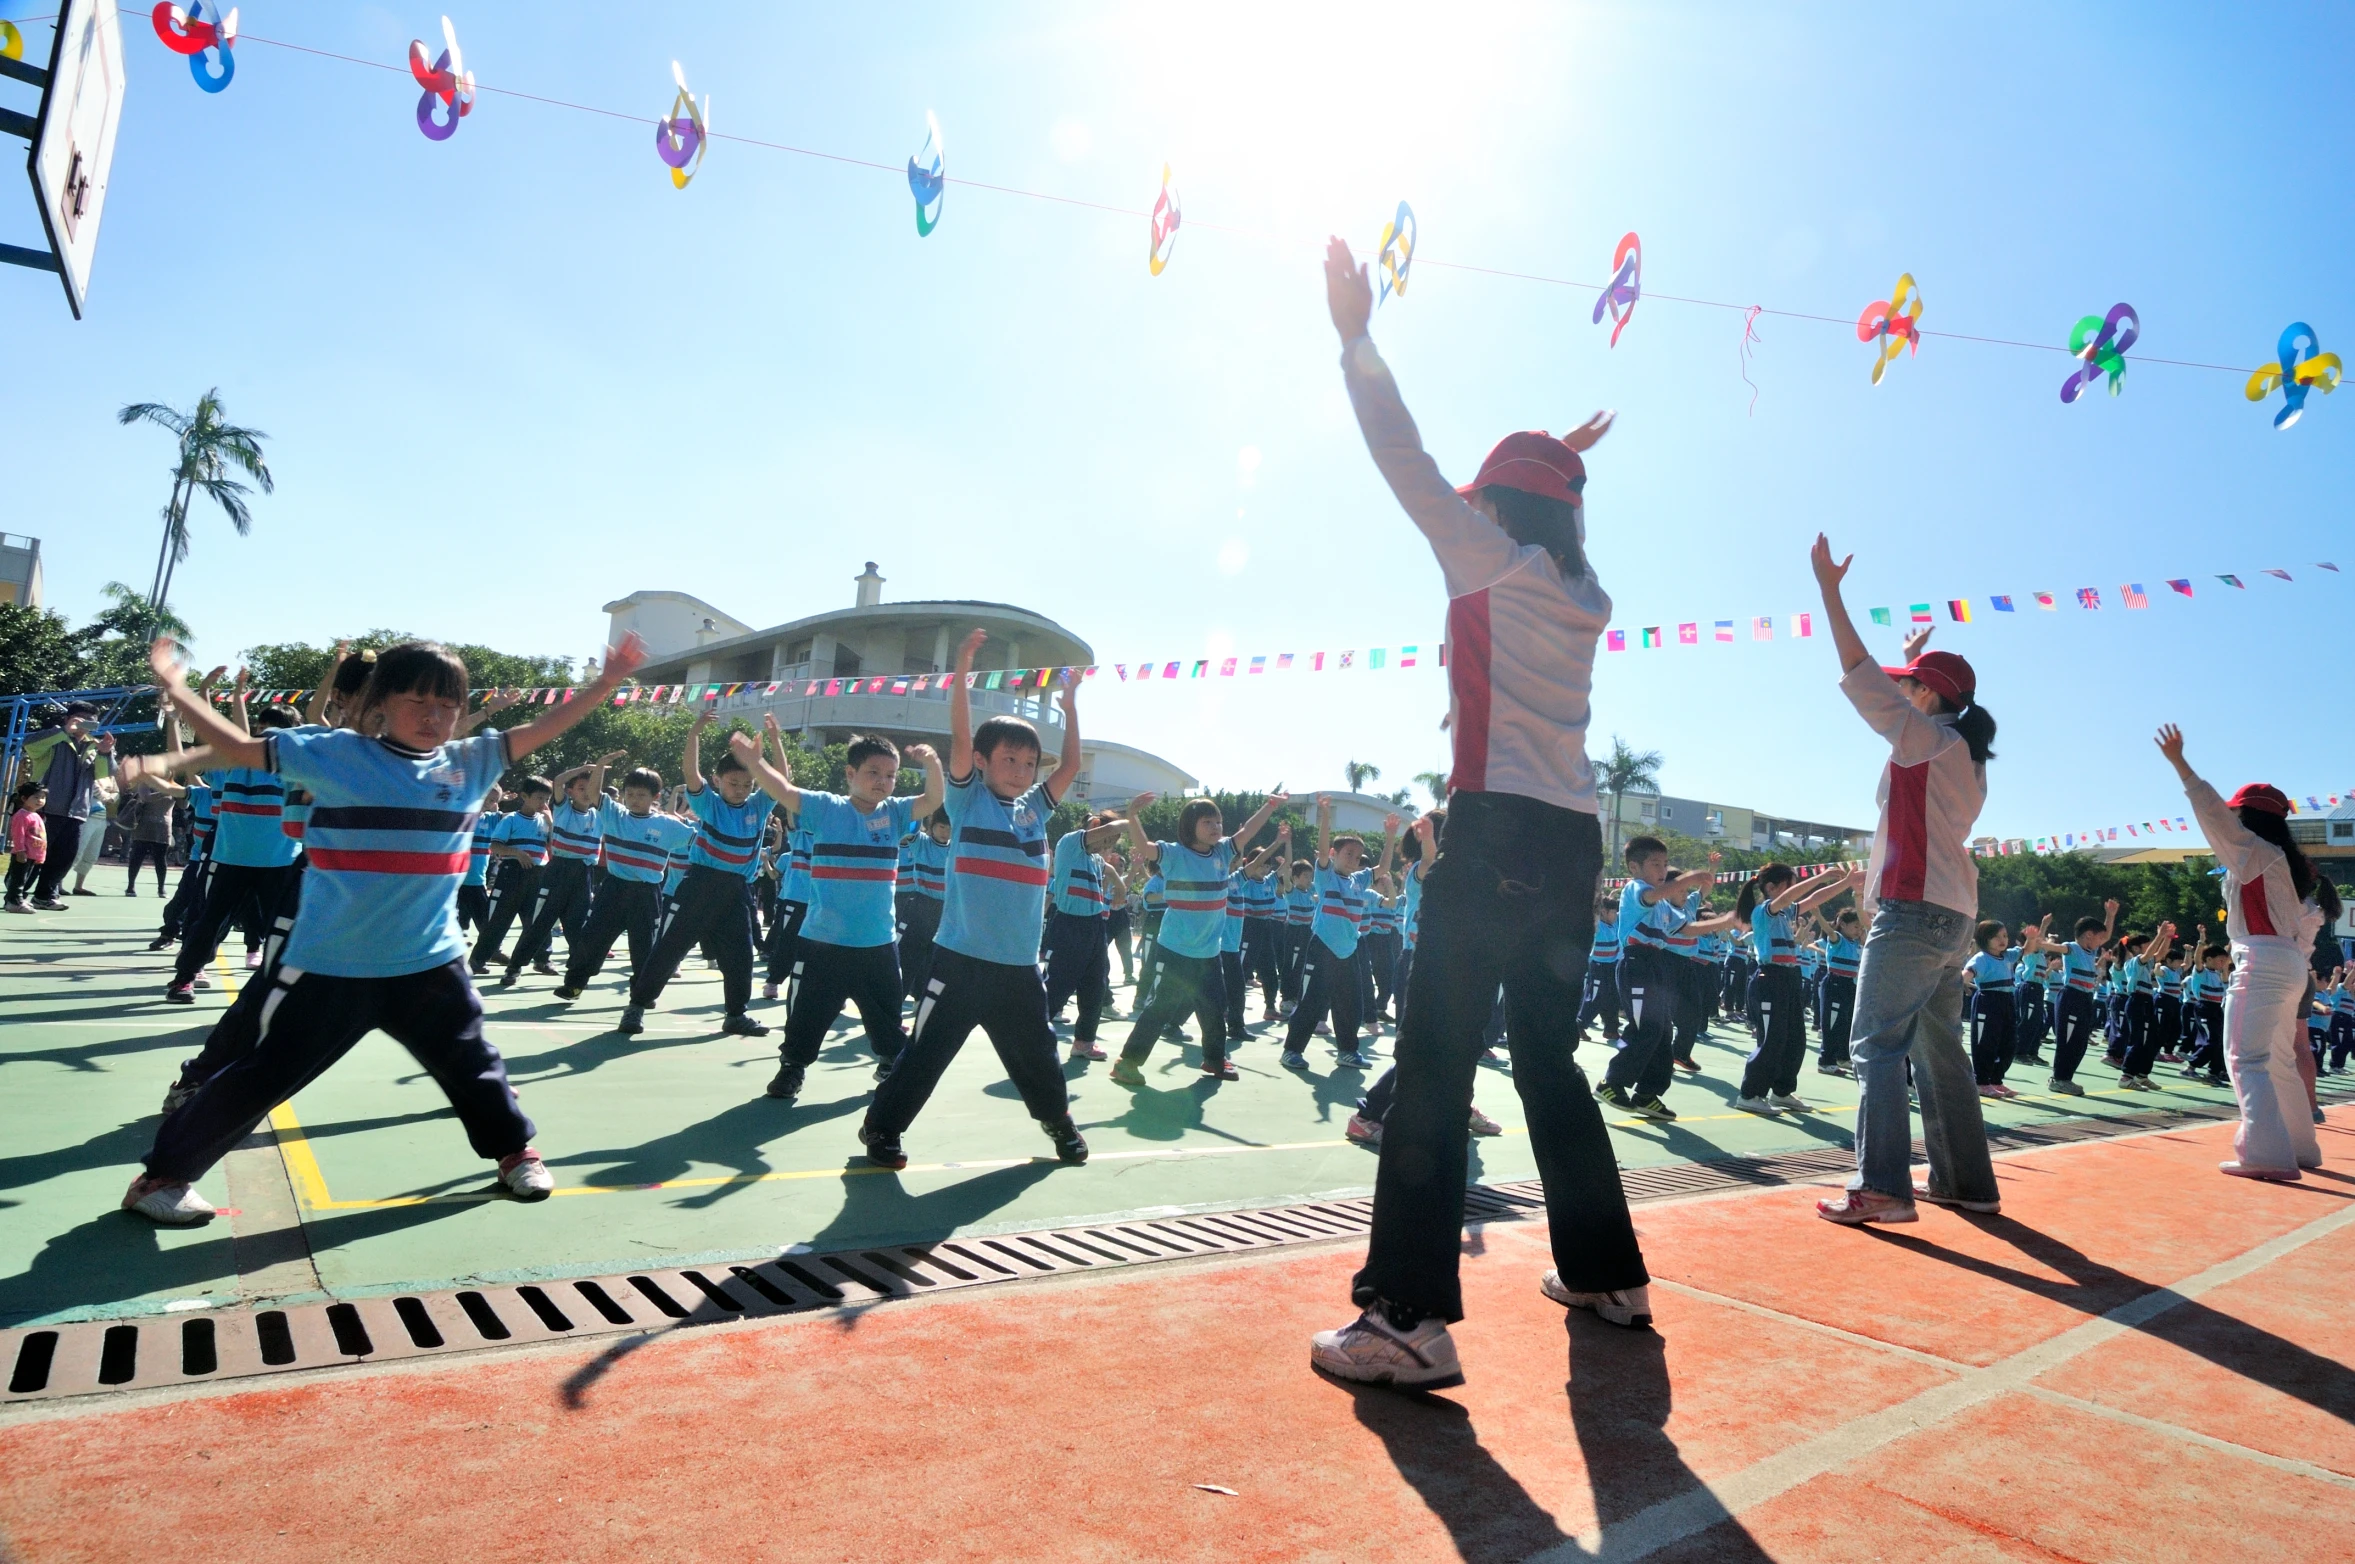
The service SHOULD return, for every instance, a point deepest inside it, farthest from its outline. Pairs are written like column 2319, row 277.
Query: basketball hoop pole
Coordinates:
column 27, row 126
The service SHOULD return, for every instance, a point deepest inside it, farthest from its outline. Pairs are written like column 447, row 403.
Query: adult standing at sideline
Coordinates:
column 1510, row 898
column 1920, row 900
column 2274, row 904
column 69, row 763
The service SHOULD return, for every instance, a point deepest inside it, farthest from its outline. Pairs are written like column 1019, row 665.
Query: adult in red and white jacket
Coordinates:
column 2274, row 904
column 1510, row 897
column 1920, row 899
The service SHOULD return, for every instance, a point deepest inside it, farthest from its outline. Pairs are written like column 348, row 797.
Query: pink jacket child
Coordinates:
column 28, row 845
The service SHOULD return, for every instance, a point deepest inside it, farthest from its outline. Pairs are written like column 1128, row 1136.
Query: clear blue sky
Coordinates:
column 514, row 375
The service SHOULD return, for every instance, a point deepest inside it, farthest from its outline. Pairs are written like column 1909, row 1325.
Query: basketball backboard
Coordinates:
column 73, row 138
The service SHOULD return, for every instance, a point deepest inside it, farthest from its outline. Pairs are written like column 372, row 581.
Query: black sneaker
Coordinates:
column 479, row 968
column 507, row 978
column 633, row 1020
column 742, row 1025
column 544, row 969
column 883, row 1150
column 1651, row 1108
column 162, row 942
column 785, row 1085
column 1224, row 1070
column 568, row 992
column 1071, row 1147
column 1613, row 1095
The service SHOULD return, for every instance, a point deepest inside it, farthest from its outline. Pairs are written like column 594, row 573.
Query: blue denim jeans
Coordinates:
column 1909, row 1002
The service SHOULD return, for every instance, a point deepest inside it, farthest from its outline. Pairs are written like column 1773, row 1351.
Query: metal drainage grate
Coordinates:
column 100, row 1357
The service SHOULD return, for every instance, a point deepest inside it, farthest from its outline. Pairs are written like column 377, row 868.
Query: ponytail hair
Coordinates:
column 2276, row 830
column 1974, row 726
column 1768, row 880
column 1540, row 519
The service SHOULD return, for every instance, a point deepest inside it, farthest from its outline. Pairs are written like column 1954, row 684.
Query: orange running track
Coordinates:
column 2139, row 1360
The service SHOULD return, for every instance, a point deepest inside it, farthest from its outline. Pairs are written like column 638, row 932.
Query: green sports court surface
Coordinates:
column 663, row 1146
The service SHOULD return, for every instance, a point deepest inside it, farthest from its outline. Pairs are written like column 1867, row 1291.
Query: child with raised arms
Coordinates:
column 985, row 960
column 376, row 945
column 1988, row 977
column 712, row 905
column 1653, row 985
column 519, row 855
column 1332, row 968
column 1079, row 951
column 928, row 861
column 637, row 841
column 2075, row 1011
column 849, row 942
column 1769, row 904
column 1184, row 972
column 576, row 843
column 1843, row 952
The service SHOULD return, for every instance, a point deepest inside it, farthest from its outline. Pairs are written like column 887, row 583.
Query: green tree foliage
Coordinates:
column 39, row 650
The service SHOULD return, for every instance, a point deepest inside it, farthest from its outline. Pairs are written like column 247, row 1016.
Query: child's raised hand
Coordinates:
column 970, row 647
column 623, row 660
column 1348, row 295
column 1828, row 572
column 743, row 746
column 163, row 660
column 919, row 753
column 702, row 720
column 1136, row 805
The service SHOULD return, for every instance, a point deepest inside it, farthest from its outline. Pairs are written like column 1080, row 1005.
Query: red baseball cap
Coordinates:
column 1944, row 672
column 1535, row 463
column 2263, row 796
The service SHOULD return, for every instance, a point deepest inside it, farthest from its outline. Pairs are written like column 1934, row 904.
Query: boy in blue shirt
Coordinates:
column 1300, row 910
column 713, row 903
column 1601, row 1000
column 848, row 950
column 576, row 841
column 1263, row 928
column 1079, row 950
column 928, row 860
column 474, row 897
column 1184, row 970
column 1651, row 984
column 253, row 857
column 519, row 857
column 985, row 959
column 1843, row 953
column 188, row 895
column 1330, row 968
column 2028, row 992
column 1988, row 976
column 2073, row 1011
column 637, row 843
column 376, row 942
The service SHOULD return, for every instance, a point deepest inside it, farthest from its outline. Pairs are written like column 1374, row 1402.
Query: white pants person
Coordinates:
column 92, row 843
column 2262, row 1031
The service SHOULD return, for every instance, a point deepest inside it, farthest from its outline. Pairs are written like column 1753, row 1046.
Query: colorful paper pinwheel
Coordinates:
column 2297, row 369
column 2102, row 342
column 187, row 32
column 1396, row 253
column 447, row 79
column 1892, row 321
column 1625, row 288
column 683, row 136
column 928, row 185
column 1165, row 224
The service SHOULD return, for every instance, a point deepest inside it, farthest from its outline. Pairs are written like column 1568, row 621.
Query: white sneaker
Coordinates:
column 526, row 1177
column 1763, row 1105
column 1370, row 1351
column 1787, row 1102
column 1631, row 1306
column 167, row 1205
column 1482, row 1124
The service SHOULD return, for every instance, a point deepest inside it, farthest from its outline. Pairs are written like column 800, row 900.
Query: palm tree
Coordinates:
column 1434, row 783
column 1360, row 772
column 1403, row 800
column 137, row 620
column 210, row 449
column 1625, row 771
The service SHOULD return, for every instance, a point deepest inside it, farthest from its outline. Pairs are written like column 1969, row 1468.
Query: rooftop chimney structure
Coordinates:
column 870, row 587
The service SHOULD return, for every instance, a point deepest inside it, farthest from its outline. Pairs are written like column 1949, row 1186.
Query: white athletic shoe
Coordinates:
column 1764, row 1105
column 1787, row 1102
column 1482, row 1124
column 526, row 1177
column 167, row 1204
column 1630, row 1306
column 1370, row 1351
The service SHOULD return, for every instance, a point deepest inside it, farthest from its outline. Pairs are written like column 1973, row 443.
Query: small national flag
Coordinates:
column 833, row 686
column 2089, row 597
column 1688, row 634
column 1921, row 614
column 772, row 689
column 1122, row 670
column 1652, row 637
column 1259, row 664
column 2043, row 600
column 1226, row 668
column 1803, row 626
column 1348, row 658
column 899, row 686
column 1374, row 657
column 1406, row 656
column 1725, row 629
column 2324, row 564
column 1443, row 654
column 2285, row 575
column 874, row 685
column 1201, row 666
column 2234, row 581
column 1880, row 615
column 1316, row 662
column 995, row 679
column 1960, row 609
column 2310, row 803
column 1762, row 628
column 2003, row 605
column 1615, row 641
column 1169, row 671
column 2130, row 829
column 2134, row 595
column 2181, row 586
column 812, row 690
column 1283, row 662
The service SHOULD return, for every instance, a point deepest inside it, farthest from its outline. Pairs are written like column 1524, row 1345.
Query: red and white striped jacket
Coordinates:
column 1520, row 639
column 1931, row 794
column 2261, row 903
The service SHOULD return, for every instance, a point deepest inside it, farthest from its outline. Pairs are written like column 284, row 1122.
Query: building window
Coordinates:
column 846, row 662
column 2342, row 830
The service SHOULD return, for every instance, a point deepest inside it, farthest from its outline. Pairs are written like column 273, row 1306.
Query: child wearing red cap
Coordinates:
column 2274, row 904
column 1510, row 897
column 1920, row 900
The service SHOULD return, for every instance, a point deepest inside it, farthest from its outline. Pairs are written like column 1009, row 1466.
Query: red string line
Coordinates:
column 1753, row 311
